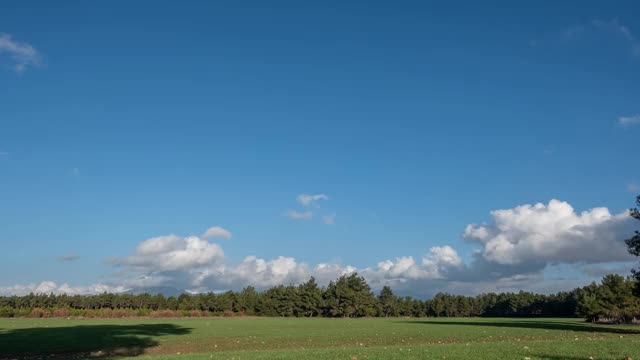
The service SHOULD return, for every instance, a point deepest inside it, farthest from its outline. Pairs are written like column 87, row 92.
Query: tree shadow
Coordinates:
column 83, row 340
column 538, row 324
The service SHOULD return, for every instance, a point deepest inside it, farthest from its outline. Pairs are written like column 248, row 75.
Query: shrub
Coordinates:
column 61, row 313
column 121, row 313
column 106, row 313
column 6, row 312
column 22, row 312
column 39, row 313
column 164, row 313
column 77, row 312
column 144, row 312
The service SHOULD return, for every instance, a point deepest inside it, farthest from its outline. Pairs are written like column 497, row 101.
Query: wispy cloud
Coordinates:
column 22, row 55
column 634, row 188
column 329, row 219
column 306, row 199
column 629, row 120
column 299, row 215
column 612, row 26
column 572, row 32
column 69, row 257
column 621, row 30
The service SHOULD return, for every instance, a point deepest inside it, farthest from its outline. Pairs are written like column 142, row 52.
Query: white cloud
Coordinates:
column 299, row 215
column 256, row 272
column 306, row 200
column 518, row 247
column 329, row 219
column 22, row 55
column 217, row 232
column 172, row 253
column 629, row 120
column 552, row 233
column 634, row 188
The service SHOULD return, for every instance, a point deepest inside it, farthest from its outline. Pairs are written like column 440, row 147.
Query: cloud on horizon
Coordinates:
column 514, row 249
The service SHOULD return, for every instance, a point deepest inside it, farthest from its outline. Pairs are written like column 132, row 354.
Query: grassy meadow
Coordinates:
column 318, row 338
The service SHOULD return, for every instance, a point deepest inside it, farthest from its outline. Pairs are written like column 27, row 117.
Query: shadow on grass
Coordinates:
column 536, row 324
column 83, row 340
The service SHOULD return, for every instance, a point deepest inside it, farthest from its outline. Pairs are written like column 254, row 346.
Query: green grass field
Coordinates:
column 296, row 338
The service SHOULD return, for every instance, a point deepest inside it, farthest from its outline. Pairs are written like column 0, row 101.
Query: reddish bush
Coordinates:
column 105, row 313
column 121, row 313
column 195, row 313
column 228, row 313
column 39, row 313
column 164, row 313
column 61, row 313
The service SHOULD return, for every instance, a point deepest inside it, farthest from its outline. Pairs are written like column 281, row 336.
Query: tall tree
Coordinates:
column 633, row 243
column 309, row 298
column 349, row 296
column 247, row 300
column 388, row 302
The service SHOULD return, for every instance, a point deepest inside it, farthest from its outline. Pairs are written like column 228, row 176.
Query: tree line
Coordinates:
column 615, row 299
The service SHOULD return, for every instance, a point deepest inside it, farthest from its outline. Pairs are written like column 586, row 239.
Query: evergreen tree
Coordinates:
column 633, row 243
column 388, row 302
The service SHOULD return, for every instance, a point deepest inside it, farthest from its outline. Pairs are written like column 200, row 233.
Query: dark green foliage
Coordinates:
column 388, row 303
column 612, row 301
column 633, row 243
column 349, row 296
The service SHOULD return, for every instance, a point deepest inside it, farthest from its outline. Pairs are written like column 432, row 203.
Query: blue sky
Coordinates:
column 122, row 122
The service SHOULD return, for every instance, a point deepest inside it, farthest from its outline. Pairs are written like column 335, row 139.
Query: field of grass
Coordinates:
column 296, row 338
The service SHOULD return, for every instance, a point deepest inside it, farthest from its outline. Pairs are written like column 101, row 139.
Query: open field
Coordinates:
column 303, row 338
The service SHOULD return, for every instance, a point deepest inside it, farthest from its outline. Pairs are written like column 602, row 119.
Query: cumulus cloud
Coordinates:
column 22, row 55
column 306, row 199
column 69, row 257
column 299, row 215
column 516, row 249
column 629, row 120
column 171, row 253
column 552, row 233
column 256, row 272
column 217, row 232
